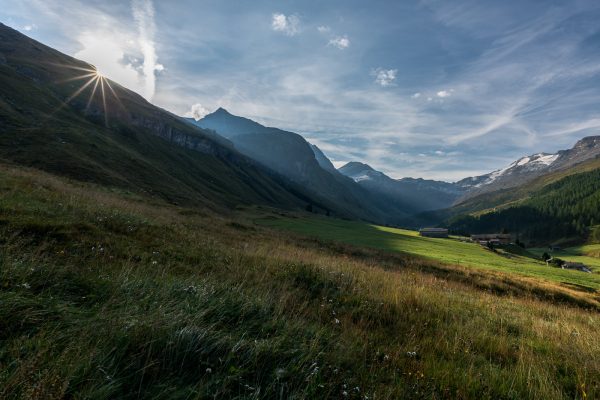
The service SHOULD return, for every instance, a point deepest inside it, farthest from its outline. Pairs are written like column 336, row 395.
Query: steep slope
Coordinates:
column 285, row 152
column 57, row 114
column 417, row 194
column 291, row 155
column 322, row 159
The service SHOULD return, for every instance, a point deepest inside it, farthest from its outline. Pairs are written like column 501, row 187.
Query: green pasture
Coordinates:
column 450, row 251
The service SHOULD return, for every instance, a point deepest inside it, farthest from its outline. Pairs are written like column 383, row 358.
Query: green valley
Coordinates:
column 450, row 251
column 106, row 294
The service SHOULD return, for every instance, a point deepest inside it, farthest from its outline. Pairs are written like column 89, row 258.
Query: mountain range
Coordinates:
column 292, row 156
column 530, row 167
column 55, row 117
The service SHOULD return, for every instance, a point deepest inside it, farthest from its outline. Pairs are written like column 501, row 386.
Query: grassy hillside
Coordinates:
column 105, row 294
column 450, row 251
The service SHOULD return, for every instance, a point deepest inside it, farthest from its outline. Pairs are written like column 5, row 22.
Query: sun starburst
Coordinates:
column 91, row 77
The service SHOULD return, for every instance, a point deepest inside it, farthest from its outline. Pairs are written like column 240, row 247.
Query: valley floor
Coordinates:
column 449, row 251
column 105, row 294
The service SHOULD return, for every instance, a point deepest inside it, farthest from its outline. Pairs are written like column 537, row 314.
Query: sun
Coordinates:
column 99, row 74
column 96, row 79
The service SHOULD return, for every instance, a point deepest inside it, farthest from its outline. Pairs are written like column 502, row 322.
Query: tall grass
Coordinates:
column 107, row 295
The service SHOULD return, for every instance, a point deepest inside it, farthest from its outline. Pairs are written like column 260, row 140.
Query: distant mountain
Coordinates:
column 528, row 168
column 289, row 154
column 561, row 207
column 542, row 198
column 416, row 194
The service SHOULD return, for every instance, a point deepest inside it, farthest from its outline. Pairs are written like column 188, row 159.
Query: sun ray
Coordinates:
column 104, row 100
column 76, row 78
column 97, row 79
column 115, row 94
column 81, row 89
column 94, row 77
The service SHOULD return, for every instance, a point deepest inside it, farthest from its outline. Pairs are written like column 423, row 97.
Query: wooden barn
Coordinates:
column 494, row 238
column 434, row 232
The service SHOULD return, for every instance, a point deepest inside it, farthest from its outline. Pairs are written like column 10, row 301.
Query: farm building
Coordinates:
column 434, row 232
column 494, row 238
column 576, row 266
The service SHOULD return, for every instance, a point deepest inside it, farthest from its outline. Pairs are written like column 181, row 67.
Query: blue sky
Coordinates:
column 434, row 89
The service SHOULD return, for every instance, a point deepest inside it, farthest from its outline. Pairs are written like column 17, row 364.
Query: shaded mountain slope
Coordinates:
column 292, row 156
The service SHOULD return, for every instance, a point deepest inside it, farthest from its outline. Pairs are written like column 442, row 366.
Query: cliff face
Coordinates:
column 178, row 136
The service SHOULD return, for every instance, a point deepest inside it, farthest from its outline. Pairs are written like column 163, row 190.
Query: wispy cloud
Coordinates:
column 385, row 77
column 143, row 14
column 341, row 42
column 288, row 24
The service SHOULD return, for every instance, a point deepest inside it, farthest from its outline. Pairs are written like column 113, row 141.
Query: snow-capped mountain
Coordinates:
column 524, row 165
column 530, row 167
column 423, row 195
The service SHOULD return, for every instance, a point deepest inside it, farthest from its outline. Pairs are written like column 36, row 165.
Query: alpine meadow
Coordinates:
column 299, row 200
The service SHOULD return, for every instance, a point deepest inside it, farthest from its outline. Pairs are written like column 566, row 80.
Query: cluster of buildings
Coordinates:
column 497, row 239
column 483, row 239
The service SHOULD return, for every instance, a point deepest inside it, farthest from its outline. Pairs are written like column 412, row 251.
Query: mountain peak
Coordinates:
column 356, row 165
column 222, row 111
column 588, row 142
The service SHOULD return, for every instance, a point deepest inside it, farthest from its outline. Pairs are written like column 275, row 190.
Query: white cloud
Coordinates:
column 125, row 56
column 385, row 77
column 197, row 112
column 444, row 93
column 143, row 14
column 416, row 95
column 29, row 27
column 288, row 24
column 105, row 51
column 341, row 42
column 323, row 29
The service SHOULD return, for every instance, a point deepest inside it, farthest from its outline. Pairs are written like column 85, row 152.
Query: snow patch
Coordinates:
column 547, row 159
column 359, row 178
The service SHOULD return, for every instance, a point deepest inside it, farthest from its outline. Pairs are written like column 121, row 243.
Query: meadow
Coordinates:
column 110, row 294
column 450, row 251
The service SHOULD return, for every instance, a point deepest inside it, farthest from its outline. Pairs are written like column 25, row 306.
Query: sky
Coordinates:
column 423, row 88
